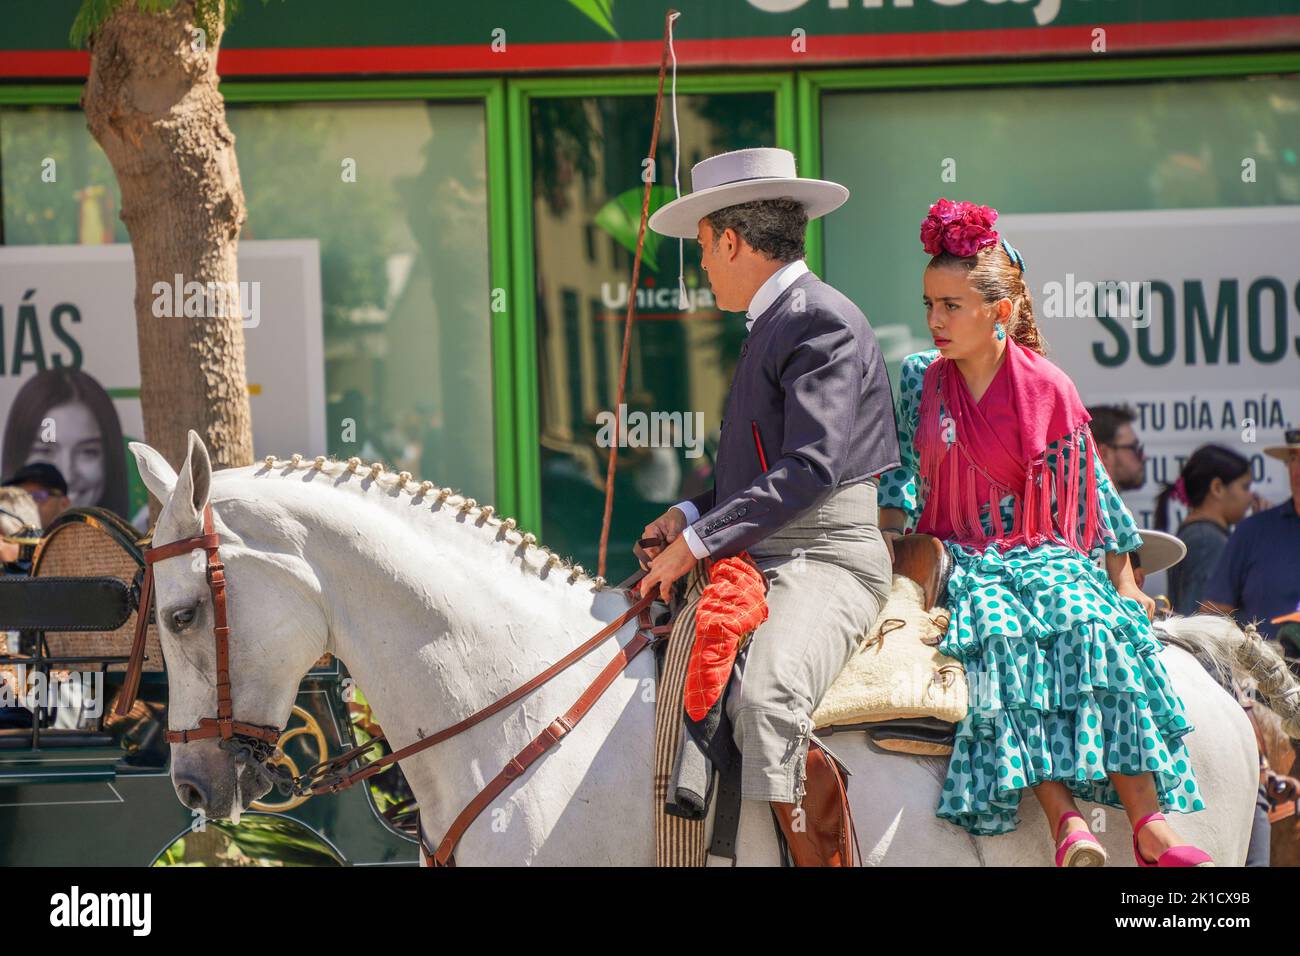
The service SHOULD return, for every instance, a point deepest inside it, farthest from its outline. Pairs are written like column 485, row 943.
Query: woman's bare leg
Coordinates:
column 1056, row 800
column 1138, row 794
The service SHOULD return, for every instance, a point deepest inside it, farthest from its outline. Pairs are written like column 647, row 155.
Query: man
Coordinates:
column 1121, row 452
column 808, row 426
column 1258, row 574
column 46, row 485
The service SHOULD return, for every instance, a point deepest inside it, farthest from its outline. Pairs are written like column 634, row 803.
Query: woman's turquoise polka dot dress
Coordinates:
column 1065, row 682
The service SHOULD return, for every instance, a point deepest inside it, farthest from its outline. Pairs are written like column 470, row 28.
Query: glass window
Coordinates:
column 396, row 195
column 1130, row 146
column 1179, row 194
column 587, row 155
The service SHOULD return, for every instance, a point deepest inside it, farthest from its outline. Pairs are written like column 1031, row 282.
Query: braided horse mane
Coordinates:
column 484, row 516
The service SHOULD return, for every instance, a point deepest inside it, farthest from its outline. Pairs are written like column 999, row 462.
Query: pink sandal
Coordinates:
column 1080, row 848
column 1182, row 855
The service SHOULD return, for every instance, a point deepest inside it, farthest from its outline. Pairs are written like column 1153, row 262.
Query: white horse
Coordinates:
column 439, row 607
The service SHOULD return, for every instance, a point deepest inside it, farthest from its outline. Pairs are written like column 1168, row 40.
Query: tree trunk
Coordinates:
column 152, row 103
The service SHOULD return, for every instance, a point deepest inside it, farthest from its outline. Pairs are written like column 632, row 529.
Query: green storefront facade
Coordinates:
column 474, row 270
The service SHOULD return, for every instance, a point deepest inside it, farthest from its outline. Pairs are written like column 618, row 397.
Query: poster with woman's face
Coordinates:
column 70, row 372
column 64, row 417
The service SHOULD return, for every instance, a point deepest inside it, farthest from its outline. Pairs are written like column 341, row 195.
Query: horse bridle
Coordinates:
column 258, row 741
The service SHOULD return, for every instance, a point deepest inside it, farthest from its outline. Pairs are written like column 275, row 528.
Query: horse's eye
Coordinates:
column 183, row 618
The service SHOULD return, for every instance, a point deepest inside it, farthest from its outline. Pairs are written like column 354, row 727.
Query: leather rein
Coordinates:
column 330, row 776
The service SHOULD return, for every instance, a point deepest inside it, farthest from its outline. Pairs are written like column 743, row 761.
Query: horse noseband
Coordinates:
column 250, row 740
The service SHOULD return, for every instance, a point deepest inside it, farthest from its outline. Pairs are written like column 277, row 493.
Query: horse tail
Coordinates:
column 1244, row 656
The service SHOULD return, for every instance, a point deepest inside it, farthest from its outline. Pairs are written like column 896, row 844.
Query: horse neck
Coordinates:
column 435, row 620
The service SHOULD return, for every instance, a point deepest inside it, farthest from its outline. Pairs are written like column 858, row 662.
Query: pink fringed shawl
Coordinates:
column 967, row 462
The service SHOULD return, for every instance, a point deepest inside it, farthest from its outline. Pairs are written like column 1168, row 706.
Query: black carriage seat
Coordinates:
column 76, row 612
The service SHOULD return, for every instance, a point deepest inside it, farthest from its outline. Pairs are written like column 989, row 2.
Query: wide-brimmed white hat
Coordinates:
column 744, row 175
column 1159, row 550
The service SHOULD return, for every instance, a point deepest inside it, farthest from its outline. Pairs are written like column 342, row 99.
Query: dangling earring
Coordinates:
column 999, row 331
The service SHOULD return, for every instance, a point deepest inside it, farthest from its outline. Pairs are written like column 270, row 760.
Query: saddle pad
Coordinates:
column 678, row 841
column 898, row 672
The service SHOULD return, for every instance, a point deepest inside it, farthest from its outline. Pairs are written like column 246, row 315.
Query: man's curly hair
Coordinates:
column 774, row 227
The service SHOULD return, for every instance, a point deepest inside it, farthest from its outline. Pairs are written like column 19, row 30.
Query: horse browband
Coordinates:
column 327, row 776
column 223, row 725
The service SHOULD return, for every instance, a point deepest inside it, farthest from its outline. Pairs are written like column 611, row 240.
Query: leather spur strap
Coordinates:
column 223, row 725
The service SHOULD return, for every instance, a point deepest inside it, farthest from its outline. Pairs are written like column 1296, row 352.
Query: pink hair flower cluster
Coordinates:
column 959, row 228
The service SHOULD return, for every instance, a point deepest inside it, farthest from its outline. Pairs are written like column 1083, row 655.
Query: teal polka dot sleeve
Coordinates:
column 899, row 488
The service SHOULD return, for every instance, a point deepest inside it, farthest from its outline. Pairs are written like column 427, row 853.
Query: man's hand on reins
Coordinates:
column 668, row 527
column 666, row 567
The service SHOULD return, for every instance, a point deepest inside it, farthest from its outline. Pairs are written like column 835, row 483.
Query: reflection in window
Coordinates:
column 1105, row 147
column 396, row 194
column 587, row 192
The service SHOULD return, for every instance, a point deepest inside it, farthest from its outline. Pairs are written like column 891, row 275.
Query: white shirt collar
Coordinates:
column 776, row 283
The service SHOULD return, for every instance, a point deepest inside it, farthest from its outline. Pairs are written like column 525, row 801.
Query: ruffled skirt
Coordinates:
column 1065, row 684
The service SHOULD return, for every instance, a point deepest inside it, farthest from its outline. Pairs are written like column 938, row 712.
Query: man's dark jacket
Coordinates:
column 811, row 390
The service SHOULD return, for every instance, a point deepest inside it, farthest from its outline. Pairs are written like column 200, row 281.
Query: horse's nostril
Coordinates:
column 191, row 795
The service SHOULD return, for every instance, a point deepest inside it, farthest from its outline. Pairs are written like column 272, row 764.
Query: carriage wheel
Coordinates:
column 310, row 728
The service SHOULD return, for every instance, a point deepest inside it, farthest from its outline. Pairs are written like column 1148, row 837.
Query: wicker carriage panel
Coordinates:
column 90, row 546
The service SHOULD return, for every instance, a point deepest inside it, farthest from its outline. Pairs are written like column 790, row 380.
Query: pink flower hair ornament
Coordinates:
column 958, row 228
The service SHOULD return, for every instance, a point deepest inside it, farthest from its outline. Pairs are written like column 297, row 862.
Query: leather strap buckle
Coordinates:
column 557, row 729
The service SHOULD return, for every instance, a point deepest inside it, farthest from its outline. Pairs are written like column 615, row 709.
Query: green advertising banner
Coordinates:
column 320, row 37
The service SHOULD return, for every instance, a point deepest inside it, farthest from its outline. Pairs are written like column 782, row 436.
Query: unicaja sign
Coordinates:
column 1045, row 11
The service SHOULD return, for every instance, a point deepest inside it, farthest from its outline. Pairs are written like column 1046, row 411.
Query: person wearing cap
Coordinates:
column 808, row 426
column 46, row 485
column 1162, row 551
column 1257, row 578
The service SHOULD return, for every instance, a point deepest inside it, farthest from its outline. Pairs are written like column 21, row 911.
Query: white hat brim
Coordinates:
column 681, row 217
column 1160, row 550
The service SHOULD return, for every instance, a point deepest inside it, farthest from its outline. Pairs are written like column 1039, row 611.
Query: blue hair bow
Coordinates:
column 1016, row 258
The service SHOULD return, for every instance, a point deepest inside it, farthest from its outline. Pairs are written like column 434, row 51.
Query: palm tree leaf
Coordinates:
column 601, row 12
column 621, row 218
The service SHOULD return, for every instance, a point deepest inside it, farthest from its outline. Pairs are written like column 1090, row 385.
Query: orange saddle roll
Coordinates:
column 732, row 605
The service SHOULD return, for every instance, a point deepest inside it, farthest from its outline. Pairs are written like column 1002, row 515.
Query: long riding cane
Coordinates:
column 631, row 299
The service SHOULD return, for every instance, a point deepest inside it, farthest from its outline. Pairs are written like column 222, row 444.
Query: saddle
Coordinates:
column 898, row 688
column 913, row 715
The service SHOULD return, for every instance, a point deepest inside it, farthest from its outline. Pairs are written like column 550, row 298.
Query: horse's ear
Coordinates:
column 157, row 475
column 193, row 485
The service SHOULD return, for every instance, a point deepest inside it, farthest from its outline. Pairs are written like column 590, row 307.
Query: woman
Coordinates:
column 64, row 417
column 1067, row 697
column 1215, row 486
